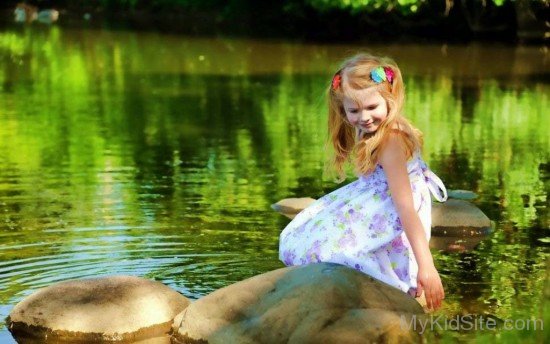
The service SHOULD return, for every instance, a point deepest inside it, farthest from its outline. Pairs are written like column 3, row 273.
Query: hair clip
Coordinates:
column 336, row 81
column 381, row 74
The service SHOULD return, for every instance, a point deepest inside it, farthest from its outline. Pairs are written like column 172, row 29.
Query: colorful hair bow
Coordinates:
column 381, row 74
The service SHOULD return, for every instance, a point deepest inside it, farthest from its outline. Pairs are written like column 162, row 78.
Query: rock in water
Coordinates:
column 459, row 218
column 315, row 303
column 99, row 309
column 292, row 206
column 462, row 194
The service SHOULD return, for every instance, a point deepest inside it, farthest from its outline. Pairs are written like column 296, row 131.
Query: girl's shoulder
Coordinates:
column 397, row 130
column 396, row 144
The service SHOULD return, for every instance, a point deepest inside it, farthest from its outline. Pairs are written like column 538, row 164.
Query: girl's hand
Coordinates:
column 429, row 281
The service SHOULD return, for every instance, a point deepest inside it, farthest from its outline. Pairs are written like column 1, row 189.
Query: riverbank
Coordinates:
column 302, row 22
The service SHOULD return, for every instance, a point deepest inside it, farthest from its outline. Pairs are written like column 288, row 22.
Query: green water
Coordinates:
column 159, row 156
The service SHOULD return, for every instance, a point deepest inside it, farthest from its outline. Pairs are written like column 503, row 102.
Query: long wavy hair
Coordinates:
column 365, row 149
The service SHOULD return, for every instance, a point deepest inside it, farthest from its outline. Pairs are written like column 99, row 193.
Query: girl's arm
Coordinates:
column 394, row 162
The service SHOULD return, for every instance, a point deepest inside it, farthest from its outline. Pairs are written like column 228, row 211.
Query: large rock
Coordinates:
column 315, row 303
column 458, row 218
column 117, row 308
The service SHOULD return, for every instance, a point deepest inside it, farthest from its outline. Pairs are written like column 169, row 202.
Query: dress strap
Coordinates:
column 436, row 186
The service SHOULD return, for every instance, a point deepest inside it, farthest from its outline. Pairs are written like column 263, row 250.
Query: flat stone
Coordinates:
column 458, row 218
column 462, row 194
column 116, row 308
column 290, row 207
column 315, row 303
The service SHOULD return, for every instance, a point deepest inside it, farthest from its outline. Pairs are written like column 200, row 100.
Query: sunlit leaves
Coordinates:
column 358, row 6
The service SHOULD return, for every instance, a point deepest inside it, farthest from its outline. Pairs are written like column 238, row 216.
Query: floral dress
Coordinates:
column 357, row 225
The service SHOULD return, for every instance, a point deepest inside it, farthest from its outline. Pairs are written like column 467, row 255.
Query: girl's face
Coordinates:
column 370, row 114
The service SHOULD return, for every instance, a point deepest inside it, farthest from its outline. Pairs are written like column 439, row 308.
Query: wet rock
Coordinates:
column 460, row 219
column 290, row 207
column 117, row 308
column 462, row 194
column 323, row 302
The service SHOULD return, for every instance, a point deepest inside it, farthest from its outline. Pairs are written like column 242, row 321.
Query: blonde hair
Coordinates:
column 355, row 75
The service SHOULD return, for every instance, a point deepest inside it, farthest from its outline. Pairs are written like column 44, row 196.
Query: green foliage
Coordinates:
column 354, row 6
column 405, row 7
column 358, row 6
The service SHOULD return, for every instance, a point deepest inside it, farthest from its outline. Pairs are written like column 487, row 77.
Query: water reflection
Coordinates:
column 159, row 156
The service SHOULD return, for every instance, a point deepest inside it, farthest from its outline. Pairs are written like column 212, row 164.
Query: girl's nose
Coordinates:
column 365, row 116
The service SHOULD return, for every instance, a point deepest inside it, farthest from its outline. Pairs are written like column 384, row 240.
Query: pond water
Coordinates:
column 159, row 156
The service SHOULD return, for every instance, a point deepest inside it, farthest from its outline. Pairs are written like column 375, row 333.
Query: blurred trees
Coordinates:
column 337, row 19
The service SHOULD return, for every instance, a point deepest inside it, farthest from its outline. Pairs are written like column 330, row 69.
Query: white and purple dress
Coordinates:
column 357, row 225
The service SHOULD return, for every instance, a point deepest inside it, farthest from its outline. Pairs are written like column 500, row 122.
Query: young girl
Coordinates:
column 379, row 224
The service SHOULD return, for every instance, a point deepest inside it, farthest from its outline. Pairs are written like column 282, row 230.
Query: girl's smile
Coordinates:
column 368, row 115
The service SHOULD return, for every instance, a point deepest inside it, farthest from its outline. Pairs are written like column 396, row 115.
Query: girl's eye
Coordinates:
column 352, row 110
column 372, row 107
